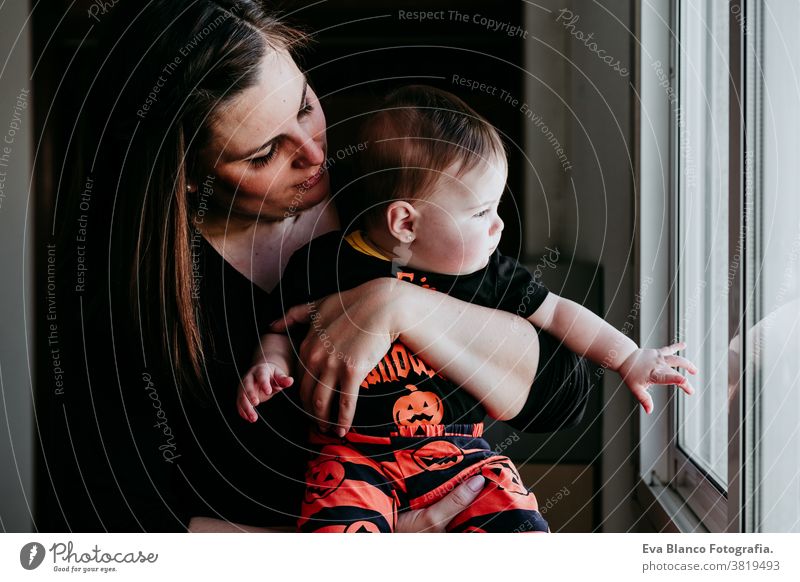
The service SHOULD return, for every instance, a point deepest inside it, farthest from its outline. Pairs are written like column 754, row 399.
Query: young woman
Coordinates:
column 208, row 172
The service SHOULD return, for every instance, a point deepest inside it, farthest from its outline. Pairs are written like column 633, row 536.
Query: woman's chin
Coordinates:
column 303, row 199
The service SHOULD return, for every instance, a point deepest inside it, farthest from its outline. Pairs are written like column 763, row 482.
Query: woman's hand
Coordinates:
column 482, row 350
column 212, row 525
column 350, row 333
column 434, row 518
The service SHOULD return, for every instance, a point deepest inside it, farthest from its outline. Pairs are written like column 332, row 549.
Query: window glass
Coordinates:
column 701, row 247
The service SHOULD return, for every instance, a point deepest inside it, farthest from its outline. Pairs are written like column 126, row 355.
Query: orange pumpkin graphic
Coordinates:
column 322, row 479
column 437, row 455
column 417, row 408
column 362, row 527
column 503, row 474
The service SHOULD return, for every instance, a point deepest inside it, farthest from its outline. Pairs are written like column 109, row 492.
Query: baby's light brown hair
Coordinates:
column 419, row 132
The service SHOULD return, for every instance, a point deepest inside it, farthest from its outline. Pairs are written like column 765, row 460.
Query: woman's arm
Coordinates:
column 492, row 354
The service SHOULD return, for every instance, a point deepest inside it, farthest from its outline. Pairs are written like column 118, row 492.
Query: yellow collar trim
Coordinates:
column 356, row 240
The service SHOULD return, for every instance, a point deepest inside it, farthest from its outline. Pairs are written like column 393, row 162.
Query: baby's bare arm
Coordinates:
column 585, row 333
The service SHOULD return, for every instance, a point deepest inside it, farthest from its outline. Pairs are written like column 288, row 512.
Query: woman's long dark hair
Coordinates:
column 166, row 69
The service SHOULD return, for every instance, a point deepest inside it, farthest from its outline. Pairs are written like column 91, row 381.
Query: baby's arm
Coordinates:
column 585, row 333
column 267, row 376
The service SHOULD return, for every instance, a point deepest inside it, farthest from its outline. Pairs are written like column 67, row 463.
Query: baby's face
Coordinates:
column 458, row 228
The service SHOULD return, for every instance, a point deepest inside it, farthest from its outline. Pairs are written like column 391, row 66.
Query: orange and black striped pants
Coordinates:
column 359, row 483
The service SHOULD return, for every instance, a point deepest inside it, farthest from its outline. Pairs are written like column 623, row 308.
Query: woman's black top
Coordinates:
column 124, row 451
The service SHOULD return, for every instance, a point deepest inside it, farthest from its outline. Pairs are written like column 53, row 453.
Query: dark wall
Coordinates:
column 360, row 51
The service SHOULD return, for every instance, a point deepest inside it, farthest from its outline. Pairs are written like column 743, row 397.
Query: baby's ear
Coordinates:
column 401, row 217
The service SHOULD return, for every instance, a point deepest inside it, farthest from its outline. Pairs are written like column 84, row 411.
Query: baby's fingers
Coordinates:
column 644, row 399
column 270, row 385
column 263, row 385
column 671, row 349
column 282, row 380
column 681, row 362
column 665, row 375
column 250, row 389
column 246, row 410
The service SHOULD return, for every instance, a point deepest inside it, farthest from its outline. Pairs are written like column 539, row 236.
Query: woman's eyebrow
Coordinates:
column 267, row 143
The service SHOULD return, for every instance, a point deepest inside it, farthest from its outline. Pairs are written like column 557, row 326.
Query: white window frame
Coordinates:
column 673, row 492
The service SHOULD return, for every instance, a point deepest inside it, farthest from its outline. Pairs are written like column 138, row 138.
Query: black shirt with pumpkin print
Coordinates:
column 403, row 390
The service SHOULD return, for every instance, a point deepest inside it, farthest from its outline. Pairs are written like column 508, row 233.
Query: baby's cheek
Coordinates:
column 445, row 256
column 473, row 243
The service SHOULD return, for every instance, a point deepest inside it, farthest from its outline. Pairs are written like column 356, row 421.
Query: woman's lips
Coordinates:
column 312, row 181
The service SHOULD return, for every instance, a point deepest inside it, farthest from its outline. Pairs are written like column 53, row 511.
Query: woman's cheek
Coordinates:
column 235, row 180
column 265, row 185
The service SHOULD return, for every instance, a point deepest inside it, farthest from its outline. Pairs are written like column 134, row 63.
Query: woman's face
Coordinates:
column 267, row 148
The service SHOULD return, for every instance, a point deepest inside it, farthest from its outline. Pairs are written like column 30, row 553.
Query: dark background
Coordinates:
column 360, row 51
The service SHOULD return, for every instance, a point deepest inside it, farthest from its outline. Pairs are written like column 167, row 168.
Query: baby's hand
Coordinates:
column 261, row 383
column 646, row 367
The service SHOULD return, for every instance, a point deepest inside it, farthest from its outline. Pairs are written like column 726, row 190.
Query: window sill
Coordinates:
column 665, row 510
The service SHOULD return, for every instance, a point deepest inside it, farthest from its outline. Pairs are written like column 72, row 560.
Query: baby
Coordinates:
column 431, row 179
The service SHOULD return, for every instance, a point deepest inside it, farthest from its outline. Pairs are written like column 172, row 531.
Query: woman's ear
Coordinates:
column 401, row 220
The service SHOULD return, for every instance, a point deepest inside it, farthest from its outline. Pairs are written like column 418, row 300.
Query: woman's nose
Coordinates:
column 309, row 154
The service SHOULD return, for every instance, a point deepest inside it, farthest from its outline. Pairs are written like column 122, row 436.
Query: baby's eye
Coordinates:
column 481, row 213
column 306, row 108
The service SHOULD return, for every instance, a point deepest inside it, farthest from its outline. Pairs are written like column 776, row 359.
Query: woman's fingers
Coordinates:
column 346, row 328
column 681, row 362
column 307, row 384
column 297, row 314
column 348, row 397
column 322, row 398
column 434, row 518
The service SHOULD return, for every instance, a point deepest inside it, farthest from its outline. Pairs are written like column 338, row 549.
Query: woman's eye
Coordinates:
column 265, row 159
column 482, row 213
